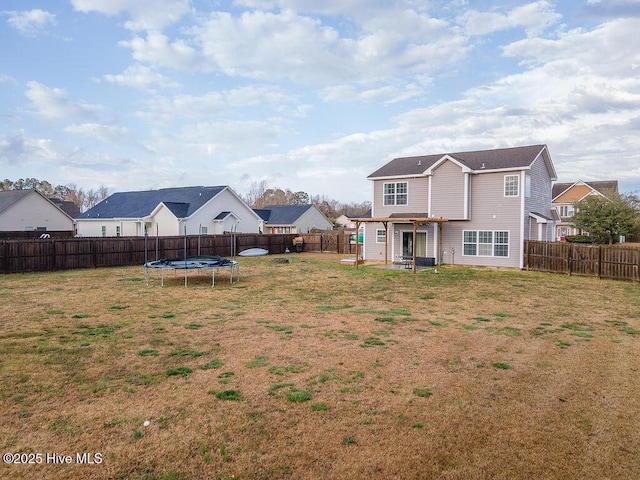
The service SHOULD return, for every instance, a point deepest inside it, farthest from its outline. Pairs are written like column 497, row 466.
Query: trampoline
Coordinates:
column 195, row 263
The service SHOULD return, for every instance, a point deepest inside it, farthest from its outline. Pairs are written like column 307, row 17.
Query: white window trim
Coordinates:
column 493, row 243
column 395, row 194
column 380, row 238
column 517, row 177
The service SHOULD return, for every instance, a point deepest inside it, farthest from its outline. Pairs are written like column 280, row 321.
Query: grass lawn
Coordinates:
column 315, row 370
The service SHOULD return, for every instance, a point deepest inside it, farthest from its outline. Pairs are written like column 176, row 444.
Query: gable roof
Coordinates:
column 477, row 161
column 282, row 214
column 179, row 209
column 8, row 198
column 182, row 202
column 599, row 186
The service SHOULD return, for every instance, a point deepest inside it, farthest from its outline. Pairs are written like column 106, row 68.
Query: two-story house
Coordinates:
column 484, row 205
column 566, row 195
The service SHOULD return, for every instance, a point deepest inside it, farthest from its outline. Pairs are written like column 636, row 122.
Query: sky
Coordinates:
column 311, row 95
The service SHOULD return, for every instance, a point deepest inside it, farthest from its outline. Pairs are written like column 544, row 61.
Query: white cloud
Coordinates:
column 216, row 141
column 18, row 149
column 144, row 14
column 264, row 45
column 31, row 22
column 610, row 49
column 106, row 133
column 325, row 7
column 141, row 77
column 385, row 94
column 533, row 17
column 157, row 50
column 54, row 104
column 217, row 104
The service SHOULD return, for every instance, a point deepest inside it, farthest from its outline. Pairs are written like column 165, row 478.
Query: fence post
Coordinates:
column 53, row 255
column 569, row 259
column 599, row 261
column 5, row 256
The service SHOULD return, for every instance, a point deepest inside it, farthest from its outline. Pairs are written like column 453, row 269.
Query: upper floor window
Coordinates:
column 511, row 185
column 396, row 193
column 566, row 211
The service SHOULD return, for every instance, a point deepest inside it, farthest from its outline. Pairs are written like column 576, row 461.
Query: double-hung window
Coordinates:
column 395, row 193
column 511, row 185
column 501, row 244
column 485, row 243
column 381, row 234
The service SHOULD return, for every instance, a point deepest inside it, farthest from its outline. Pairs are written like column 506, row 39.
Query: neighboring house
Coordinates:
column 348, row 221
column 344, row 221
column 486, row 204
column 67, row 206
column 566, row 195
column 29, row 210
column 169, row 212
column 293, row 219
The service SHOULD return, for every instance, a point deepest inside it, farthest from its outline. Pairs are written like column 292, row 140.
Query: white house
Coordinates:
column 169, row 212
column 29, row 210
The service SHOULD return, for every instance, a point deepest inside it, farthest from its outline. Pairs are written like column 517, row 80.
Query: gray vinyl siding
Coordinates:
column 490, row 211
column 447, row 192
column 417, row 197
column 374, row 251
column 417, row 202
column 539, row 201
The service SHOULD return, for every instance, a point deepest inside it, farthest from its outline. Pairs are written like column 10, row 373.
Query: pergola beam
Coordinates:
column 416, row 221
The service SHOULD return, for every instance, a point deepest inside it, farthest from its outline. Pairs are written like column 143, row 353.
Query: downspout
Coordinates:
column 466, row 195
column 522, row 213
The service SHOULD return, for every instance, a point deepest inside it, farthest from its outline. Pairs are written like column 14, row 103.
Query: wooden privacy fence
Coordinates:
column 42, row 255
column 328, row 242
column 603, row 261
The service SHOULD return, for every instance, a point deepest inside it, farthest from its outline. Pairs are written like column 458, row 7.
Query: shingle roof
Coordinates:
column 9, row 197
column 222, row 215
column 600, row 186
column 262, row 213
column 183, row 202
column 67, row 206
column 282, row 214
column 179, row 209
column 502, row 158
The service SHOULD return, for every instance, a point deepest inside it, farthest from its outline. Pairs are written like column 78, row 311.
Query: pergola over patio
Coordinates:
column 415, row 219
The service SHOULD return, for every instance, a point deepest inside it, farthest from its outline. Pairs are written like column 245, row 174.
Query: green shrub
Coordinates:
column 579, row 239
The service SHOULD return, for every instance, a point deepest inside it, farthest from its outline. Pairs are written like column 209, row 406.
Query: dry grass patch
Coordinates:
column 312, row 369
